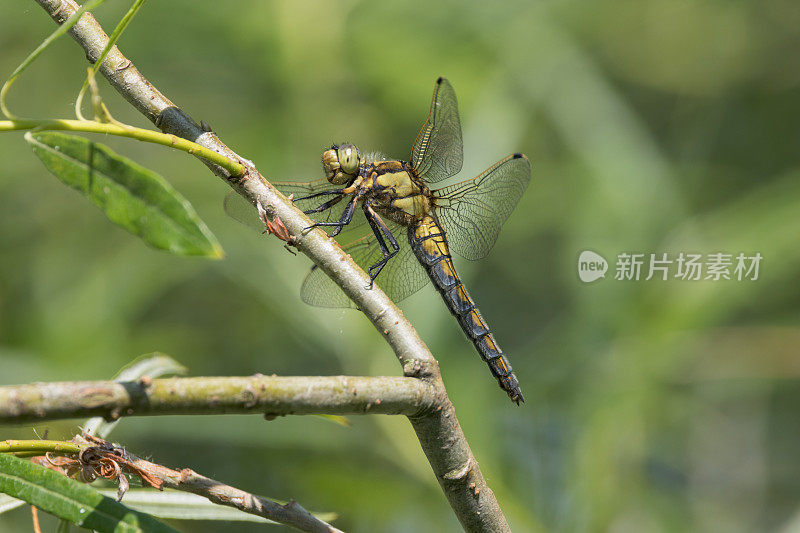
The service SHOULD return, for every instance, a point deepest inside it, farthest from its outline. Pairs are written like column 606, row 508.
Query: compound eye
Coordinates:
column 348, row 158
column 330, row 163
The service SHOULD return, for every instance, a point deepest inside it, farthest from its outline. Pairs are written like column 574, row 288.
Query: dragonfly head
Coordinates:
column 341, row 164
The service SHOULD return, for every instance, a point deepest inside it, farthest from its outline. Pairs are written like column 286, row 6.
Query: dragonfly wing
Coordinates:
column 320, row 291
column 242, row 211
column 400, row 278
column 438, row 152
column 473, row 211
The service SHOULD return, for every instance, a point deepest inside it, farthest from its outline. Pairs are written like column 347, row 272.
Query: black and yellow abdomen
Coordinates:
column 428, row 241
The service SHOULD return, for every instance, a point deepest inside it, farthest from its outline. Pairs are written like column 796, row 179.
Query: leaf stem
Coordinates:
column 141, row 134
column 39, row 446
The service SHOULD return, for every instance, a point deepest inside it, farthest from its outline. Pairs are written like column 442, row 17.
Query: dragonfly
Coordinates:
column 414, row 226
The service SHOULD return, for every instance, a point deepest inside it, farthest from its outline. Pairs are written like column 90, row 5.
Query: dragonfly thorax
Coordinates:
column 396, row 192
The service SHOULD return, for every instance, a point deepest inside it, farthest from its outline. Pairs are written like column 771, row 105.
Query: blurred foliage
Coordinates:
column 653, row 126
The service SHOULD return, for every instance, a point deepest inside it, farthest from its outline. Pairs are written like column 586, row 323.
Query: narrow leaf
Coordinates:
column 183, row 506
column 61, row 30
column 71, row 500
column 8, row 503
column 130, row 195
column 337, row 419
column 154, row 364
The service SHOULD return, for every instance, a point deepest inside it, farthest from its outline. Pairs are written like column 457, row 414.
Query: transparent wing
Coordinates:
column 473, row 211
column 400, row 278
column 438, row 151
column 243, row 211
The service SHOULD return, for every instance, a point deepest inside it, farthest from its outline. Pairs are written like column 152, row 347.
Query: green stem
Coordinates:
column 111, row 41
column 165, row 139
column 61, row 30
column 40, row 446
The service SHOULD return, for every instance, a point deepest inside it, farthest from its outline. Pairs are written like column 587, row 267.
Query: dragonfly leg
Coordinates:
column 344, row 220
column 380, row 230
column 323, row 207
column 323, row 193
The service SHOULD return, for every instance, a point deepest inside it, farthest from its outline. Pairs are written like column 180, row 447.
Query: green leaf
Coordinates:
column 130, row 195
column 71, row 500
column 155, row 364
column 337, row 419
column 7, row 503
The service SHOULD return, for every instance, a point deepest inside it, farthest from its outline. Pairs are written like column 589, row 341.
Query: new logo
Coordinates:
column 591, row 266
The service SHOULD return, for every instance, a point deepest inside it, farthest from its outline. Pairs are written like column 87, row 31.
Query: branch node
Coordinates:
column 125, row 64
column 412, row 368
column 459, row 473
column 249, row 397
column 186, row 473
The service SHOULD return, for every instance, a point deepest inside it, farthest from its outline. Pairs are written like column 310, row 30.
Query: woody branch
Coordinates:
column 438, row 430
column 268, row 395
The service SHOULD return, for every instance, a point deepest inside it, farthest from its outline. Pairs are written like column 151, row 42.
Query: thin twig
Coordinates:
column 440, row 434
column 97, row 458
column 35, row 518
column 37, row 446
column 269, row 395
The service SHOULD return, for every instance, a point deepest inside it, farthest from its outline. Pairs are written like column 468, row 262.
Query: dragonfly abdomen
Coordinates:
column 429, row 244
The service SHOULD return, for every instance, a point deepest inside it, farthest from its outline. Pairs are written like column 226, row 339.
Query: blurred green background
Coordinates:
column 653, row 126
